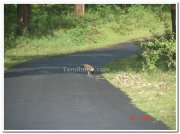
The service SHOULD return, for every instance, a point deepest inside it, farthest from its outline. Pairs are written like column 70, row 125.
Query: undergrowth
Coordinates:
column 54, row 29
column 159, row 53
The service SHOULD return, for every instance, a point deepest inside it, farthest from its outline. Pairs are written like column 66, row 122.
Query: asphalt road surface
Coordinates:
column 41, row 95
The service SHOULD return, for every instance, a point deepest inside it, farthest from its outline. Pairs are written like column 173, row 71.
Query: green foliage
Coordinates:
column 158, row 53
column 80, row 35
column 10, row 25
column 121, row 19
column 46, row 18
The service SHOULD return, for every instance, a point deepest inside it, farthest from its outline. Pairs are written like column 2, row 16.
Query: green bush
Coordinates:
column 158, row 53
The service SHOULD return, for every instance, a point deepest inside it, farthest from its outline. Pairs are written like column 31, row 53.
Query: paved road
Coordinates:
column 39, row 95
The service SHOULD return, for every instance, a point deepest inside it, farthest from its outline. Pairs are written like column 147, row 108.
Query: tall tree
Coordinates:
column 23, row 17
column 173, row 17
column 79, row 9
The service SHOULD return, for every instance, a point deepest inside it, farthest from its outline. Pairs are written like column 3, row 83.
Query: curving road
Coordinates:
column 39, row 95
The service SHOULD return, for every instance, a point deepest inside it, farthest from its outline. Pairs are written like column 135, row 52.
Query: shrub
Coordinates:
column 158, row 53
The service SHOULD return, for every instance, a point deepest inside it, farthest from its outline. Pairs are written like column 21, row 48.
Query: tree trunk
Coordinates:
column 79, row 9
column 173, row 17
column 23, row 17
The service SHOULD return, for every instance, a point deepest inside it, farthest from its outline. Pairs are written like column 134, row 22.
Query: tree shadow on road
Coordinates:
column 55, row 64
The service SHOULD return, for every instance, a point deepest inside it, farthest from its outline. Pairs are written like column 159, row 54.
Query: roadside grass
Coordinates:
column 96, row 29
column 153, row 92
column 61, row 43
